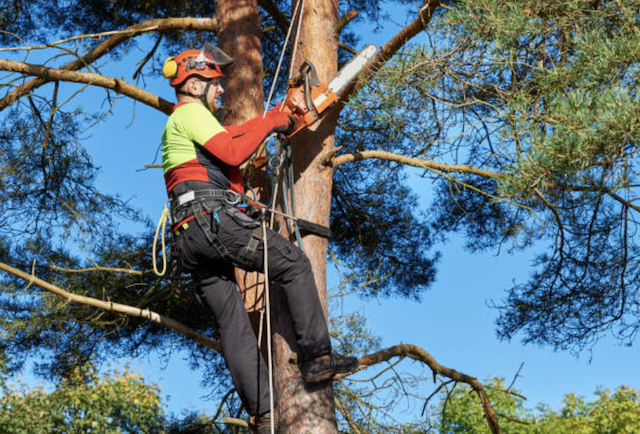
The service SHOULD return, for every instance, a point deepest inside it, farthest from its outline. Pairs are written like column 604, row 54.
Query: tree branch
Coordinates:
column 272, row 9
column 115, row 307
column 97, row 268
column 346, row 19
column 329, row 159
column 156, row 25
column 402, row 350
column 387, row 51
column 347, row 417
column 416, row 353
column 120, row 86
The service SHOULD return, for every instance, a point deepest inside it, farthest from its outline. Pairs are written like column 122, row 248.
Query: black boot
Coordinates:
column 327, row 366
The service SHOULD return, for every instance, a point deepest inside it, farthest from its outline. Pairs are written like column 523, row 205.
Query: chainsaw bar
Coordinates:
column 307, row 99
column 352, row 69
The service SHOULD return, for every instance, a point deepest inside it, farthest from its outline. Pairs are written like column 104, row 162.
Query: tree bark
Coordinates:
column 243, row 99
column 302, row 408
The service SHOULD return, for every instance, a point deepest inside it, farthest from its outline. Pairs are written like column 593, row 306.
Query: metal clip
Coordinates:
column 231, row 198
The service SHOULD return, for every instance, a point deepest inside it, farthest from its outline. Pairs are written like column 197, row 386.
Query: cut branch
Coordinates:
column 115, row 307
column 156, row 25
column 120, row 86
column 416, row 353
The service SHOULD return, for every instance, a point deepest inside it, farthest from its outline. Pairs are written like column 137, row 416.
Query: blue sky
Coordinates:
column 453, row 322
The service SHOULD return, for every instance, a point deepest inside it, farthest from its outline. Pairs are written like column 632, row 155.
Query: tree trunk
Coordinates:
column 299, row 409
column 243, row 99
column 302, row 409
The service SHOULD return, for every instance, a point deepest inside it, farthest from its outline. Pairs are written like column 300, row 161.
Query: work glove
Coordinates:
column 284, row 123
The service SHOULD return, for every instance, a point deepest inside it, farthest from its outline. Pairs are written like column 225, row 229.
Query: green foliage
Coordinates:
column 118, row 402
column 459, row 411
column 544, row 96
column 64, row 334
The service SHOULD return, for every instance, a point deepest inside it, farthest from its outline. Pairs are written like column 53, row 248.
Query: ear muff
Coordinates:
column 170, row 67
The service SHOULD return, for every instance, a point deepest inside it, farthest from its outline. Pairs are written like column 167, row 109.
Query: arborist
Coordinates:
column 212, row 235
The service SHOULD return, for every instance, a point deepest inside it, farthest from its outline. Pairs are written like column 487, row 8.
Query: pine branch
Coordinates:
column 118, row 85
column 329, row 158
column 392, row 47
column 115, row 307
column 156, row 25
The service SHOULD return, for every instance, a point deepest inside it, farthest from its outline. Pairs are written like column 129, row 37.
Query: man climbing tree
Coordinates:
column 522, row 137
column 201, row 160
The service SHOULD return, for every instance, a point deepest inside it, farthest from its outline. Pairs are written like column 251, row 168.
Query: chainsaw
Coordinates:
column 307, row 98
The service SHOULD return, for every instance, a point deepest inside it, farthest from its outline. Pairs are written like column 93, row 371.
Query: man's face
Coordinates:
column 215, row 90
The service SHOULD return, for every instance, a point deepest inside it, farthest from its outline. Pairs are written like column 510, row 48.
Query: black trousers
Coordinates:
column 290, row 271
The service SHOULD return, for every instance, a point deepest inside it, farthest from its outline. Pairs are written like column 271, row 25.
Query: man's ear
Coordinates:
column 188, row 85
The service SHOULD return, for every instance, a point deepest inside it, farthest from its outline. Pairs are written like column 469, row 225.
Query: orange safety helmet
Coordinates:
column 206, row 63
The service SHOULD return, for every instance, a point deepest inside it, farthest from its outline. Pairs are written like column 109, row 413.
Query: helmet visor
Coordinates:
column 211, row 55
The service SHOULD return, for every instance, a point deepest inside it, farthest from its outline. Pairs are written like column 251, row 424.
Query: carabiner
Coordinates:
column 231, row 198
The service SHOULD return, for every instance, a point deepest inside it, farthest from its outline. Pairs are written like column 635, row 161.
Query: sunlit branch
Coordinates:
column 115, row 84
column 156, row 25
column 330, row 159
column 97, row 268
column 115, row 307
column 388, row 50
column 416, row 353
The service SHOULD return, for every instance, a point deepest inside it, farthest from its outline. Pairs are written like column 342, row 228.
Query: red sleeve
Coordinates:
column 236, row 144
column 236, row 130
column 235, row 148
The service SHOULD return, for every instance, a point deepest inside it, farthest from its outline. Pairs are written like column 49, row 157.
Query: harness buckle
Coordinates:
column 231, row 198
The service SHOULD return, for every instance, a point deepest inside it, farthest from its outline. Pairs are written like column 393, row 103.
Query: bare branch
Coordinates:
column 115, row 307
column 330, row 159
column 156, row 25
column 416, row 353
column 346, row 416
column 97, row 268
column 346, row 19
column 120, row 86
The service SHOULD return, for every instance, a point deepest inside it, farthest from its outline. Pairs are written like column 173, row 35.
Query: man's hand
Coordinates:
column 284, row 123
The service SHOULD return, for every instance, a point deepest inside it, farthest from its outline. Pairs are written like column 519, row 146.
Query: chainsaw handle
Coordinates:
column 308, row 73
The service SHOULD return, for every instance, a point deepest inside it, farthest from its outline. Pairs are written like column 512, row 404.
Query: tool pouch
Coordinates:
column 247, row 258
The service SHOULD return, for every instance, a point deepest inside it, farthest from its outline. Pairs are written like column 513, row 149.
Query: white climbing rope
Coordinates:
column 297, row 18
column 162, row 227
